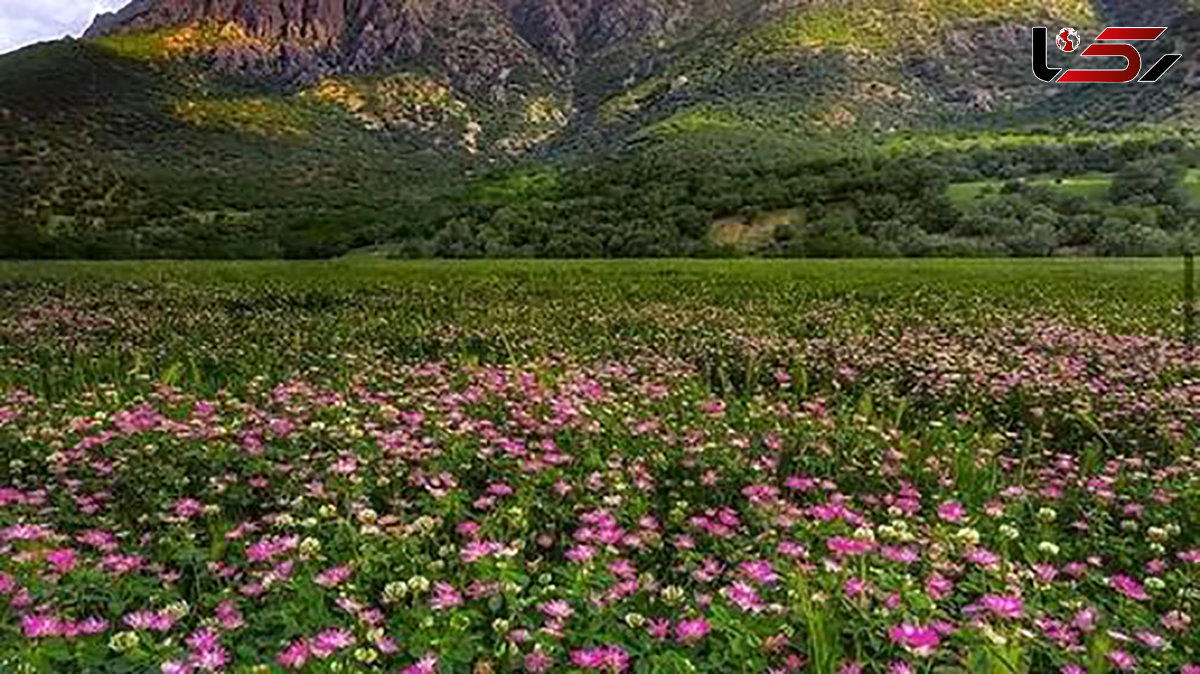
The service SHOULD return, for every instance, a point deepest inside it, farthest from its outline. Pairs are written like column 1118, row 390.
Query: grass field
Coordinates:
column 1091, row 186
column 668, row 466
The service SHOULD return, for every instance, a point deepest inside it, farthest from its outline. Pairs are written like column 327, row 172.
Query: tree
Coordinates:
column 1149, row 181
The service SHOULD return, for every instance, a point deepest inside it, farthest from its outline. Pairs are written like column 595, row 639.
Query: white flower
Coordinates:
column 310, row 547
column 123, row 641
column 395, row 591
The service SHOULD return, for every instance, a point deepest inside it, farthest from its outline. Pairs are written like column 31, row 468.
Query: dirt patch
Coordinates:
column 751, row 233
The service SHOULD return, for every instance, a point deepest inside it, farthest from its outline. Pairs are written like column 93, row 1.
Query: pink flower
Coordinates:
column 187, row 508
column 1128, row 587
column 938, row 586
column 1085, row 620
column 229, row 615
column 984, row 558
column 62, row 559
column 330, row 641
column 691, row 631
column 295, row 655
column 901, row 554
column 538, row 662
column 334, row 576
column 38, row 626
column 744, row 597
column 150, row 621
column 444, row 597
column 759, row 572
column 1152, row 640
column 426, row 665
column 854, row 587
column 921, row 641
column 474, row 551
column 1003, row 607
column 580, row 553
column 610, row 659
column 1122, row 660
column 952, row 511
column 659, row 628
column 849, row 547
column 1176, row 621
column 557, row 609
column 91, row 626
column 792, row 550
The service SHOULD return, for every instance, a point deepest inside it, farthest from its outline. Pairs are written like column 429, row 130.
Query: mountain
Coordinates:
column 306, row 127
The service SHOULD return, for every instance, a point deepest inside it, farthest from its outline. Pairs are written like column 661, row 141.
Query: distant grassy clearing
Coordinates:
column 1091, row 186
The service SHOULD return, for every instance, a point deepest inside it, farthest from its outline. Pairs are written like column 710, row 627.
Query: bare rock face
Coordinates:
column 477, row 43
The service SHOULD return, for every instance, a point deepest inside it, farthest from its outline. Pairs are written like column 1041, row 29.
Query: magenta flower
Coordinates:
column 759, row 572
column 849, row 547
column 538, row 662
column 1085, row 620
column 150, row 621
column 744, row 596
column 62, row 559
column 187, row 508
column 444, row 597
column 36, row 626
column 610, row 659
column 229, row 616
column 901, row 554
column 691, row 631
column 580, row 553
column 1128, row 587
column 854, row 587
column 1122, row 660
column 1003, row 607
column 557, row 609
column 295, row 655
column 984, row 558
column 938, row 587
column 920, row 640
column 952, row 511
column 334, row 576
column 331, row 640
column 426, row 665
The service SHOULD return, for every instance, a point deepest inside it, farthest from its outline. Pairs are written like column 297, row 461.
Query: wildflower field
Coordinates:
column 662, row 467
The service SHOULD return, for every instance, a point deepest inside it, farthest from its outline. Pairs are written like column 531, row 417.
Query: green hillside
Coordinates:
column 858, row 114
